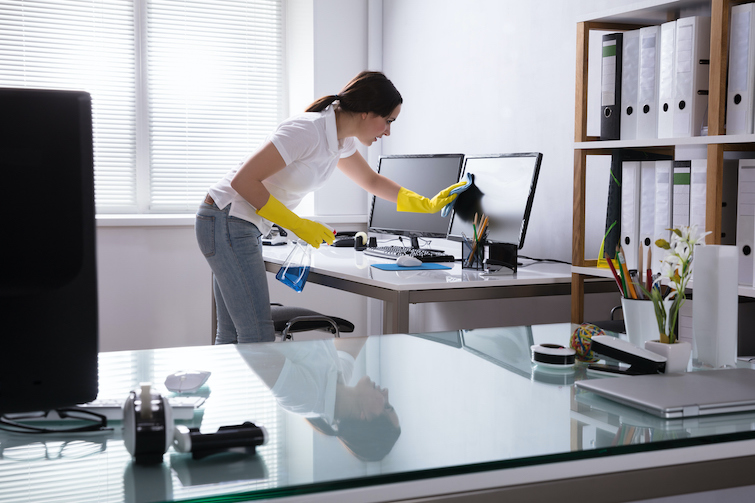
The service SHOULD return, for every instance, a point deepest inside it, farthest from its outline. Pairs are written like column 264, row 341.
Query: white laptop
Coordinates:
column 688, row 394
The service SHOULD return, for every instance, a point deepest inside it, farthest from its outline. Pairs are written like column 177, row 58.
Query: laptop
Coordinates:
column 689, row 394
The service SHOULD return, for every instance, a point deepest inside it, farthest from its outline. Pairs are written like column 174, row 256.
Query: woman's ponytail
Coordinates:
column 322, row 103
column 367, row 92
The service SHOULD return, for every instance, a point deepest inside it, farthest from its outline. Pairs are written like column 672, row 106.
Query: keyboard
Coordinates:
column 112, row 408
column 423, row 254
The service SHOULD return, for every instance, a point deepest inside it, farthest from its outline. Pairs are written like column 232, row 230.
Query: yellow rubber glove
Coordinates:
column 413, row 202
column 312, row 232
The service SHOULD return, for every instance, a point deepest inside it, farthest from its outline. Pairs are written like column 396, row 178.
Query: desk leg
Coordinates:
column 396, row 314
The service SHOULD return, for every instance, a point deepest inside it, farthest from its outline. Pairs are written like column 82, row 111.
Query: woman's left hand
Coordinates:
column 413, row 202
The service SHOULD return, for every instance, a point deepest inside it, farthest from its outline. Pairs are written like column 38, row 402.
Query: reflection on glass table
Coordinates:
column 466, row 403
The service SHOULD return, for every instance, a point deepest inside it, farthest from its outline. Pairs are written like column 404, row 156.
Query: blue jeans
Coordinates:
column 233, row 248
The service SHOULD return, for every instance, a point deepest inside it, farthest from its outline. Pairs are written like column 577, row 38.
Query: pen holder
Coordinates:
column 472, row 257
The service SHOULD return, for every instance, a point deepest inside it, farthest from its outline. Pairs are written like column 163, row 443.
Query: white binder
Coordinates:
column 680, row 208
column 691, row 75
column 664, row 200
column 729, row 202
column 630, row 211
column 647, row 109
column 666, row 81
column 697, row 194
column 630, row 66
column 739, row 96
column 746, row 221
column 647, row 204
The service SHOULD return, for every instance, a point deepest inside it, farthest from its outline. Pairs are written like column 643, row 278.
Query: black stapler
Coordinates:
column 640, row 361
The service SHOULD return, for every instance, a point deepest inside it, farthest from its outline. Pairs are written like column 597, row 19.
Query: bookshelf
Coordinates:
column 637, row 15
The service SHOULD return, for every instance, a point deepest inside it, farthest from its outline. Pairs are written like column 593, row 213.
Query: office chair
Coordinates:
column 613, row 324
column 288, row 320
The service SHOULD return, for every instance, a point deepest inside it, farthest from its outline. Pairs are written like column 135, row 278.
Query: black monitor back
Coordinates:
column 48, row 285
column 425, row 174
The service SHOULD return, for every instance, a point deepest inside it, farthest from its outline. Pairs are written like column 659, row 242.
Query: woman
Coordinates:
column 295, row 160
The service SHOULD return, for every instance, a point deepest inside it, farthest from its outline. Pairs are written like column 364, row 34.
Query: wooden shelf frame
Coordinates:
column 716, row 143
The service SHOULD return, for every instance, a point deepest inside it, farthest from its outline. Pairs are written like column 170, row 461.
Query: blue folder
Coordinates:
column 396, row 267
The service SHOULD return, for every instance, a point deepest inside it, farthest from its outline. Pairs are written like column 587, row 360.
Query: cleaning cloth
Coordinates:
column 458, row 190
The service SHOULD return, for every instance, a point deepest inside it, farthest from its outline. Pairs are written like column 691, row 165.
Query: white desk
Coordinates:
column 478, row 423
column 348, row 270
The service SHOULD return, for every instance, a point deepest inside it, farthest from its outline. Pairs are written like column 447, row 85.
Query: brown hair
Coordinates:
column 367, row 439
column 367, row 92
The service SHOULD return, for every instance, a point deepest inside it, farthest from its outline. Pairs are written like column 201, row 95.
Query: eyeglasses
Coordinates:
column 19, row 423
column 19, row 447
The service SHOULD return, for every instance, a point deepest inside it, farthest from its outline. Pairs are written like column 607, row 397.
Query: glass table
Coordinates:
column 384, row 418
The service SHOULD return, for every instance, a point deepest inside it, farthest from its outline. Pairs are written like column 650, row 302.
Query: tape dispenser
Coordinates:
column 148, row 431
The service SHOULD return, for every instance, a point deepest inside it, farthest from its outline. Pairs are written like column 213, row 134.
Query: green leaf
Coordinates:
column 663, row 244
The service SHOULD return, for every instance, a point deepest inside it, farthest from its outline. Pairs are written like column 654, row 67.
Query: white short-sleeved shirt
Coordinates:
column 308, row 379
column 310, row 147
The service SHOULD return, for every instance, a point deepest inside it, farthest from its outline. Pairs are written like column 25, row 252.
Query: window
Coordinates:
column 181, row 90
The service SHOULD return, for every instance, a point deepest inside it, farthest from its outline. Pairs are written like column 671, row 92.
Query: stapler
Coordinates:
column 640, row 361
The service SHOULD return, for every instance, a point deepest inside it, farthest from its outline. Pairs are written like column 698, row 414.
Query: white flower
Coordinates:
column 693, row 236
column 683, row 251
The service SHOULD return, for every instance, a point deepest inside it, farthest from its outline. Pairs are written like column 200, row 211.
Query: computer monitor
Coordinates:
column 506, row 184
column 424, row 174
column 48, row 284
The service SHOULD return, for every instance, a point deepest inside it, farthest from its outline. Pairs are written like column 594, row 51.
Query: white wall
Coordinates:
column 479, row 76
column 154, row 286
column 485, row 76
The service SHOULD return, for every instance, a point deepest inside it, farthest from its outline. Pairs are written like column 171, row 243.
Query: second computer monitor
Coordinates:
column 504, row 191
column 424, row 174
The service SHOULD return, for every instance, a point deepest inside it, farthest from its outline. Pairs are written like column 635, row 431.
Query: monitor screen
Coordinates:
column 506, row 184
column 48, row 287
column 424, row 174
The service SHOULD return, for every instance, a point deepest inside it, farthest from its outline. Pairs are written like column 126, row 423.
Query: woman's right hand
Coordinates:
column 310, row 231
column 313, row 232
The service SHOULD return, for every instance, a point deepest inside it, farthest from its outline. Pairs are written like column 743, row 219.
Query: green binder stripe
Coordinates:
column 681, row 178
column 609, row 50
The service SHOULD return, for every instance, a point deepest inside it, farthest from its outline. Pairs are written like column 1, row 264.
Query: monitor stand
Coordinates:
column 415, row 245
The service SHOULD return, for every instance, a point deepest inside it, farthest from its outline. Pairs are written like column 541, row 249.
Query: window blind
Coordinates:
column 181, row 90
column 81, row 45
column 214, row 85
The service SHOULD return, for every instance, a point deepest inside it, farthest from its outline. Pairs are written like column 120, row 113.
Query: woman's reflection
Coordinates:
column 311, row 379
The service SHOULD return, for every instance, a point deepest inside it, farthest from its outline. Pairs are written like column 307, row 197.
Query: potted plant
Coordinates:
column 676, row 271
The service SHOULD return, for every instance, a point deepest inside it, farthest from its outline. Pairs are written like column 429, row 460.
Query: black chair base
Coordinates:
column 288, row 320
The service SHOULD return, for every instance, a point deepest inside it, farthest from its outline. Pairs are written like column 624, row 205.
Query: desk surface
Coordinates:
column 348, row 270
column 474, row 414
column 348, row 264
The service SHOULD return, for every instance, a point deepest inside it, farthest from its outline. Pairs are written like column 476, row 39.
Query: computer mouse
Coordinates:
column 186, row 381
column 408, row 261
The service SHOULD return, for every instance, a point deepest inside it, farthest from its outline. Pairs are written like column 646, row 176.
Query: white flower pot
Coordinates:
column 677, row 354
column 639, row 320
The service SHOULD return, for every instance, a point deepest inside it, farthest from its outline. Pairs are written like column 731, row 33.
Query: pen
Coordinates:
column 623, row 263
column 634, row 277
column 469, row 244
column 615, row 274
column 640, row 254
column 623, row 278
column 483, row 228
